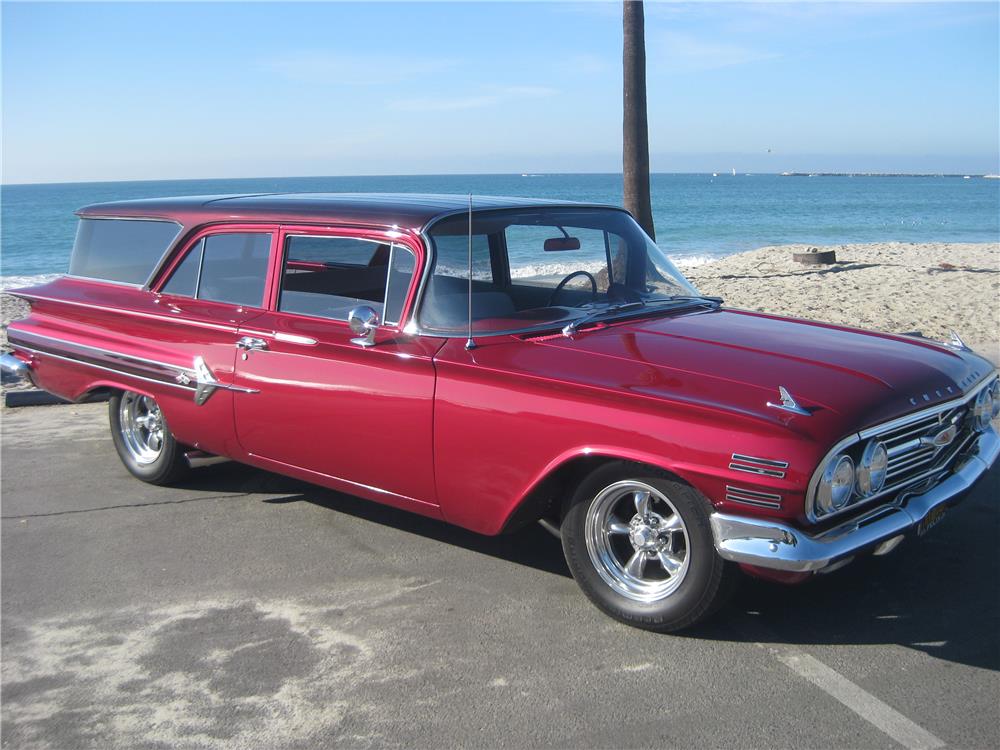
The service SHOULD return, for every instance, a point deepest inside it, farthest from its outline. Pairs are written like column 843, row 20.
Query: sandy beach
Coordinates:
column 932, row 288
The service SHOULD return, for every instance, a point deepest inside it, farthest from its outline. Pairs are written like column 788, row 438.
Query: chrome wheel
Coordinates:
column 141, row 427
column 637, row 541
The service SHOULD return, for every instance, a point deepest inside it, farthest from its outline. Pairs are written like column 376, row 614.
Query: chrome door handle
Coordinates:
column 251, row 342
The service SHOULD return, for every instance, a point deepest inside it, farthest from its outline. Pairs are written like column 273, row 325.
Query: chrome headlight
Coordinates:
column 872, row 469
column 836, row 485
column 986, row 407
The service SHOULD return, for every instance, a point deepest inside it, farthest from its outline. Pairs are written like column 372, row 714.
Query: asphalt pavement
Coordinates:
column 245, row 609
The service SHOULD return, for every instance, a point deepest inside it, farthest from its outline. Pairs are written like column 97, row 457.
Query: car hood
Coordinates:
column 739, row 359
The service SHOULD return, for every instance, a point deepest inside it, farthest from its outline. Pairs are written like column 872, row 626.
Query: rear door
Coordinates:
column 219, row 281
column 361, row 416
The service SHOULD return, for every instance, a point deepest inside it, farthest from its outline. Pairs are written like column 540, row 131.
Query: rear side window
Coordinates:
column 122, row 250
column 224, row 268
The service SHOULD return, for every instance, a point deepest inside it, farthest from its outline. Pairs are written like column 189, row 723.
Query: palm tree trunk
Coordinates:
column 635, row 130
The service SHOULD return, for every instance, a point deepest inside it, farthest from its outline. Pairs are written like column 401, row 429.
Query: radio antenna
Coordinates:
column 469, row 343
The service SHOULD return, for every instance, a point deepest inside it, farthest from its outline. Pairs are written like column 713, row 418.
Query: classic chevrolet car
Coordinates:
column 496, row 362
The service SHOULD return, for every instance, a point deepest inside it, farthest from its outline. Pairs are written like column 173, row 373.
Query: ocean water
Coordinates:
column 698, row 217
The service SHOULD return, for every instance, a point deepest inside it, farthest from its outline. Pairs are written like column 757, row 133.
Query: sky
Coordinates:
column 134, row 91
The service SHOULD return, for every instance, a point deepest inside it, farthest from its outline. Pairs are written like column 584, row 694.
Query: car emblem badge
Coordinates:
column 942, row 438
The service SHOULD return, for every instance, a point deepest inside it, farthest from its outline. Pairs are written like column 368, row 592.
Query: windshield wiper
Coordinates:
column 570, row 328
column 573, row 326
column 694, row 298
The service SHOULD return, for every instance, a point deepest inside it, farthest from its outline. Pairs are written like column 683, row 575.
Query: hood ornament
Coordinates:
column 788, row 403
column 955, row 342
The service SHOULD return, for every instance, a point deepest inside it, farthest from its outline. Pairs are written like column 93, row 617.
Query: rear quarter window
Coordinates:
column 122, row 250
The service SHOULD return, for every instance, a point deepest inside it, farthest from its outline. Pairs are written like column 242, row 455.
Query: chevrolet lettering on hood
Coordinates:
column 495, row 362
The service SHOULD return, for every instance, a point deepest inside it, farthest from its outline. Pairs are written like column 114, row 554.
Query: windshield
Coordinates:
column 542, row 267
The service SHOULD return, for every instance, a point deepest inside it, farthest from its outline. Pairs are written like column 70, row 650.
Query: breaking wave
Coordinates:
column 15, row 282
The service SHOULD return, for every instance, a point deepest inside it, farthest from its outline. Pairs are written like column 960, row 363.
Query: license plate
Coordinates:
column 931, row 520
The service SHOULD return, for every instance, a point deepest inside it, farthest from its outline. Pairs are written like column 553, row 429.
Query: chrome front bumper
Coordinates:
column 14, row 370
column 770, row 544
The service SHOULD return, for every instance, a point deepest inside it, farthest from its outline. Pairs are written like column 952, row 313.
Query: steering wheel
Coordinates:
column 561, row 284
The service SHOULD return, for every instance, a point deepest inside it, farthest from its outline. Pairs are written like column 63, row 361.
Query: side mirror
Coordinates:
column 363, row 321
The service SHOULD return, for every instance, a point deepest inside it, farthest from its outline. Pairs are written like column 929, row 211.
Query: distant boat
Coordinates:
column 715, row 174
column 734, row 171
column 967, row 177
column 991, row 176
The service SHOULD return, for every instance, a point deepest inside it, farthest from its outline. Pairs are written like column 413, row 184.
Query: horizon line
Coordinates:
column 851, row 173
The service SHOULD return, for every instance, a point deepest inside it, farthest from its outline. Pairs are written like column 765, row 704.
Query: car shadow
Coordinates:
column 937, row 594
column 530, row 546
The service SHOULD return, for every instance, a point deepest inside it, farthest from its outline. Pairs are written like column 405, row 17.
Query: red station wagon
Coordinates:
column 499, row 362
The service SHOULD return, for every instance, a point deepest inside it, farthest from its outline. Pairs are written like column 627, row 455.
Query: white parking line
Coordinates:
column 864, row 704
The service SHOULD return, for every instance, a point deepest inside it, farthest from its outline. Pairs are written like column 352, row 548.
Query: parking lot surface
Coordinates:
column 244, row 609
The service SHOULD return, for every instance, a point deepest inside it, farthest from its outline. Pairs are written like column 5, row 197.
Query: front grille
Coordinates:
column 920, row 456
column 911, row 454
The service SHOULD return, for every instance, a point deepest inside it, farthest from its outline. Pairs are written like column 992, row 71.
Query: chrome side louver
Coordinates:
column 752, row 497
column 754, row 465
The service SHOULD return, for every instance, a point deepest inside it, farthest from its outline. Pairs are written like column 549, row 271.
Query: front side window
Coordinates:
column 224, row 268
column 122, row 250
column 541, row 268
column 326, row 277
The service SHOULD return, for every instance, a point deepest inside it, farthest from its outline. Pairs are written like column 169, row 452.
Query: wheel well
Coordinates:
column 544, row 501
column 103, row 393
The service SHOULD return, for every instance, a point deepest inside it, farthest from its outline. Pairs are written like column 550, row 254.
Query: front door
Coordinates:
column 361, row 416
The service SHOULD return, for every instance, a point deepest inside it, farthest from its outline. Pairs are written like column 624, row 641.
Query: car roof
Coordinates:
column 384, row 209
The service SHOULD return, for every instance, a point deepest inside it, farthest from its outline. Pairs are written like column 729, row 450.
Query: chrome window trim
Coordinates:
column 128, row 284
column 870, row 432
column 157, row 267
column 395, row 325
column 388, row 276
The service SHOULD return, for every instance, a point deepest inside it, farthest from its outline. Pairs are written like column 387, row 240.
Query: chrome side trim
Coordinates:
column 752, row 497
column 175, row 376
column 764, row 461
column 292, row 338
column 100, row 350
column 95, row 366
column 133, row 313
column 756, row 470
column 771, row 544
column 753, row 465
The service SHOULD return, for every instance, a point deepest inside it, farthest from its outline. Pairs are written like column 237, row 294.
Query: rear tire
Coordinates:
column 640, row 546
column 143, row 441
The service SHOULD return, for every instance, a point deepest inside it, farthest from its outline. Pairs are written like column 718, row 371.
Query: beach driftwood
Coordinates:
column 814, row 257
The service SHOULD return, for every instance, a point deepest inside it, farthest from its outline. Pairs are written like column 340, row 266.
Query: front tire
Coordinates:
column 143, row 441
column 640, row 546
